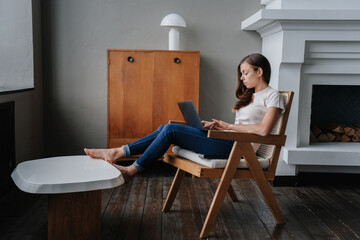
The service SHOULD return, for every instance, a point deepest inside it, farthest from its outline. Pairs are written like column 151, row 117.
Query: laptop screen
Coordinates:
column 190, row 114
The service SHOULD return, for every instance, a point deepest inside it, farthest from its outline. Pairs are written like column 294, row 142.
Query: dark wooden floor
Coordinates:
column 133, row 211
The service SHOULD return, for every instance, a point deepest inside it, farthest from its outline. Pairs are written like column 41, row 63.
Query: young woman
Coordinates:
column 257, row 108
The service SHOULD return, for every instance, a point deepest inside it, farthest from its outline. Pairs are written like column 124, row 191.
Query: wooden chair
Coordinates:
column 242, row 150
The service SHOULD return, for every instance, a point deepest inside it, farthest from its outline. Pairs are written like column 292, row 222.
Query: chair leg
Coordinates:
column 173, row 190
column 270, row 200
column 232, row 194
column 221, row 191
column 261, row 181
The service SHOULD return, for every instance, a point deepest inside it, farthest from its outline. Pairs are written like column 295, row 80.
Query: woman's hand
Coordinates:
column 207, row 124
column 220, row 125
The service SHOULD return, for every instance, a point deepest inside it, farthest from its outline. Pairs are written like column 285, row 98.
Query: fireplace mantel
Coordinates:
column 296, row 37
column 301, row 17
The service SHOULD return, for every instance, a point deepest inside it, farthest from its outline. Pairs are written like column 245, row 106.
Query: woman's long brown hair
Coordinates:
column 242, row 93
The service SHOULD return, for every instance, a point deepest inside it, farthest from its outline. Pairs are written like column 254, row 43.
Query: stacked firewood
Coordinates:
column 335, row 133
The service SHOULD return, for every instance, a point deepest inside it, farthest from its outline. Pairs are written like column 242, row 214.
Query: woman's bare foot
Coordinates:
column 128, row 172
column 110, row 155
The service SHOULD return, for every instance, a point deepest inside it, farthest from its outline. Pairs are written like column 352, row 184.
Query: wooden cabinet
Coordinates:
column 144, row 87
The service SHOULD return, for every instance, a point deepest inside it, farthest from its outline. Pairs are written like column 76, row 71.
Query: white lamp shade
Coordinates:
column 173, row 20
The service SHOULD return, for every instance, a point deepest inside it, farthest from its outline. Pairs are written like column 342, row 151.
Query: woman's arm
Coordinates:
column 262, row 129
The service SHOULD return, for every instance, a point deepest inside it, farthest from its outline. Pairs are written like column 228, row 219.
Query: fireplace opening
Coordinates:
column 335, row 113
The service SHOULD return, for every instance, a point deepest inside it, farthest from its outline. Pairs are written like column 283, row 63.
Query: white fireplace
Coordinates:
column 311, row 43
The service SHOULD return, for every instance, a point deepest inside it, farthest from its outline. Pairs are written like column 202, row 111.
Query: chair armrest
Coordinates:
column 278, row 140
column 177, row 122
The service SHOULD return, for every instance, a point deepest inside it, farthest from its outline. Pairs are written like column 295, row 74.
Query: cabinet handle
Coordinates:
column 177, row 60
column 130, row 59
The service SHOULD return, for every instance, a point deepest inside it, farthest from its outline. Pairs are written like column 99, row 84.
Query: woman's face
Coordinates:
column 249, row 76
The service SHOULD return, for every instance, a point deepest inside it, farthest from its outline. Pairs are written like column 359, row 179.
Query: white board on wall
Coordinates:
column 16, row 45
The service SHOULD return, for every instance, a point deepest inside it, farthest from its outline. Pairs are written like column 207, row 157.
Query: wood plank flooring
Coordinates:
column 133, row 211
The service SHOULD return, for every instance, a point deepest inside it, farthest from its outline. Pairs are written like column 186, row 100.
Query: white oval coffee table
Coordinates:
column 74, row 186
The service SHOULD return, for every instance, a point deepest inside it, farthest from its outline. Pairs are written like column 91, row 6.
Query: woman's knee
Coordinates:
column 165, row 127
column 161, row 127
column 169, row 127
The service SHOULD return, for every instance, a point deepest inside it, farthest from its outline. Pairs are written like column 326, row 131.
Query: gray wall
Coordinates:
column 76, row 34
column 29, row 104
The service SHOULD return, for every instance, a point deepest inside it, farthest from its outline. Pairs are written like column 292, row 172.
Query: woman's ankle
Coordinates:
column 117, row 153
column 132, row 171
column 121, row 152
column 128, row 173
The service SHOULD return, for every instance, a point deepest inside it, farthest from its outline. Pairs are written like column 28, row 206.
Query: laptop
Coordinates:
column 190, row 115
column 192, row 119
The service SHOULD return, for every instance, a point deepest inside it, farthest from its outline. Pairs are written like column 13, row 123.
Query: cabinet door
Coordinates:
column 130, row 91
column 174, row 82
column 143, row 93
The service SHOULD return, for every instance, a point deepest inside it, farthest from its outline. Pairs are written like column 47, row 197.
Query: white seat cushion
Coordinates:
column 213, row 163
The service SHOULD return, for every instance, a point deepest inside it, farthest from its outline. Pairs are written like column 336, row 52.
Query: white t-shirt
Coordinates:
column 255, row 111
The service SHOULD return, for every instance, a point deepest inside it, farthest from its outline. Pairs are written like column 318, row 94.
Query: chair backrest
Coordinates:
column 272, row 152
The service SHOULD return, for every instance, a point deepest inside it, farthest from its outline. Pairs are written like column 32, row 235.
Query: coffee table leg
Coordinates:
column 74, row 215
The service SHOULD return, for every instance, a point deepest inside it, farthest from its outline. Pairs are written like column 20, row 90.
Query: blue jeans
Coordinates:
column 153, row 146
